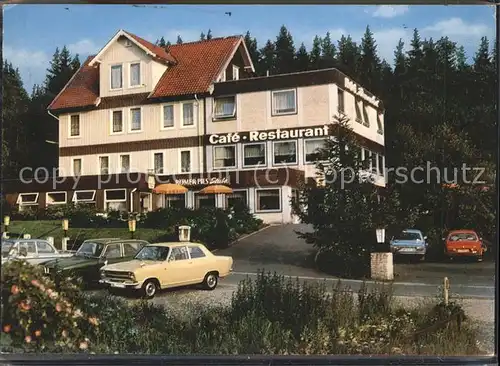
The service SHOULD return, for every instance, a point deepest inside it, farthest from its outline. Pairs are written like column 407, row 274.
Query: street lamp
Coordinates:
column 131, row 226
column 380, row 232
column 6, row 223
column 65, row 226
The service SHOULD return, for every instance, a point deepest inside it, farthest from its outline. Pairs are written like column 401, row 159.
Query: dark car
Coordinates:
column 91, row 256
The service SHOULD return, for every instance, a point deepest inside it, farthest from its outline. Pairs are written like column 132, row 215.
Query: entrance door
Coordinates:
column 146, row 202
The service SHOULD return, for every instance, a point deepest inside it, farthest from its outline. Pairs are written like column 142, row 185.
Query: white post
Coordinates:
column 64, row 244
column 446, row 289
column 50, row 239
column 5, row 235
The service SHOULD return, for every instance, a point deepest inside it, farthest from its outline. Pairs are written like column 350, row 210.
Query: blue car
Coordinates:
column 409, row 242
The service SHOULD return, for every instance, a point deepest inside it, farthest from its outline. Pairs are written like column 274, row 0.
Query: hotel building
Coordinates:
column 136, row 115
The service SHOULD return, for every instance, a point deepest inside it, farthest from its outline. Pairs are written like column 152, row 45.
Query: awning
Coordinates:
column 215, row 189
column 170, row 188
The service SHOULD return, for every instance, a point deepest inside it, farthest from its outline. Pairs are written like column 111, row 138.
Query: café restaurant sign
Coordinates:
column 268, row 135
column 201, row 181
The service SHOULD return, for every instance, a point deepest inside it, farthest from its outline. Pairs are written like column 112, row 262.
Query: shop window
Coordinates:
column 268, row 200
column 285, row 152
column 312, row 150
column 204, row 200
column 56, row 198
column 176, row 200
column 237, row 196
column 254, row 154
column 115, row 199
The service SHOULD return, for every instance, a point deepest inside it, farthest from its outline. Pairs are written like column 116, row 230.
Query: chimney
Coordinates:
column 184, row 233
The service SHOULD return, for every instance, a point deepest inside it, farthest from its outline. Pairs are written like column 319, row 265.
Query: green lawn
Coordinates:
column 42, row 229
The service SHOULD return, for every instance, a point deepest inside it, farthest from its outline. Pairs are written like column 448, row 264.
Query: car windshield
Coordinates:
column 6, row 247
column 90, row 249
column 463, row 236
column 153, row 253
column 406, row 235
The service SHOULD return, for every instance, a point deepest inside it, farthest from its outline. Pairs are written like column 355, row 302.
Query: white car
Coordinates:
column 33, row 251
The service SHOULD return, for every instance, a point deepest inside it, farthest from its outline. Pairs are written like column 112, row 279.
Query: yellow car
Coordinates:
column 166, row 265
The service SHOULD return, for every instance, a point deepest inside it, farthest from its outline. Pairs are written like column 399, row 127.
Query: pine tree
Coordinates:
column 315, row 56
column 482, row 60
column 251, row 44
column 399, row 59
column 267, row 59
column 347, row 56
column 203, row 36
column 302, row 58
column 209, row 34
column 328, row 52
column 75, row 64
column 461, row 58
column 161, row 42
column 415, row 54
column 285, row 52
column 369, row 63
column 179, row 40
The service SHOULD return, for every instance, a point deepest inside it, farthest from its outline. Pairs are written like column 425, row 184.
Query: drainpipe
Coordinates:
column 54, row 116
column 205, row 131
column 200, row 137
column 132, row 199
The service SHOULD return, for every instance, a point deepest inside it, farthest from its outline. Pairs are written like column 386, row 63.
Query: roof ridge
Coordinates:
column 204, row 40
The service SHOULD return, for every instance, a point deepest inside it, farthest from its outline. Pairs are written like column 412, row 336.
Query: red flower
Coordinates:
column 14, row 289
column 7, row 328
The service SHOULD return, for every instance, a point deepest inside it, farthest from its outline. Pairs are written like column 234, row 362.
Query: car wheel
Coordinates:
column 211, row 280
column 149, row 289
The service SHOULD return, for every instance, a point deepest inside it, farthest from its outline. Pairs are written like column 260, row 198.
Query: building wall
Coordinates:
column 118, row 53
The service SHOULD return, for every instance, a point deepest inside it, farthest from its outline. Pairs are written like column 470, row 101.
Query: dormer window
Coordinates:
column 135, row 74
column 116, row 77
column 236, row 72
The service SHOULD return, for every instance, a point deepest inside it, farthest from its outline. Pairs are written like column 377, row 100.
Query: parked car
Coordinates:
column 464, row 243
column 166, row 265
column 33, row 251
column 92, row 255
column 409, row 242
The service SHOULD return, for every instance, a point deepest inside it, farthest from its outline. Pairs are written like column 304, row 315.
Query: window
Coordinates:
column 236, row 72
column 158, row 163
column 104, row 165
column 84, row 196
column 135, row 74
column 224, row 107
column 56, row 198
column 340, row 97
column 285, row 152
column 236, row 196
column 381, row 168
column 131, row 249
column 27, row 199
column 168, row 116
column 115, row 199
column 254, row 154
column 178, row 254
column 135, row 119
column 125, row 163
column 359, row 118
column 113, row 251
column 116, row 77
column 380, row 125
column 373, row 162
column 27, row 248
column 224, row 157
column 284, row 102
column 176, row 200
column 188, row 114
column 77, row 167
column 117, row 122
column 312, row 150
column 44, row 247
column 74, row 125
column 204, row 200
column 268, row 200
column 185, row 161
column 366, row 119
column 196, row 252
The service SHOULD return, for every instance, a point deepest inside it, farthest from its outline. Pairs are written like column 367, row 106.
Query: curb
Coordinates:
column 246, row 236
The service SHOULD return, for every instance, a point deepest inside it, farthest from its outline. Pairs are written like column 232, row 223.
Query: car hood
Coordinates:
column 70, row 262
column 405, row 243
column 130, row 266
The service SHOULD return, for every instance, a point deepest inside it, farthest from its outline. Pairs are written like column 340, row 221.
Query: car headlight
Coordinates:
column 102, row 274
column 131, row 276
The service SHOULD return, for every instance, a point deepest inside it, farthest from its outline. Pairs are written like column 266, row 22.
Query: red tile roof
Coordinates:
column 193, row 68
column 198, row 65
column 82, row 89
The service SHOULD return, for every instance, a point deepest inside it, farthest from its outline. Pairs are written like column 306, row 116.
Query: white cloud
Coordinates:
column 457, row 27
column 390, row 11
column 31, row 64
column 83, row 47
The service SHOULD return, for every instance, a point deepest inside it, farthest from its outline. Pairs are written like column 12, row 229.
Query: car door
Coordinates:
column 45, row 251
column 199, row 263
column 178, row 268
column 28, row 252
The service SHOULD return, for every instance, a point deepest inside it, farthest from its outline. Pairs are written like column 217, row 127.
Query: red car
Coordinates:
column 464, row 243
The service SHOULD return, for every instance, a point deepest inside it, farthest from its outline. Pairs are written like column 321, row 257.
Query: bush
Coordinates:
column 268, row 315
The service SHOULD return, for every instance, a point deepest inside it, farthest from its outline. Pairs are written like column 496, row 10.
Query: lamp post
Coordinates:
column 6, row 223
column 131, row 226
column 65, row 226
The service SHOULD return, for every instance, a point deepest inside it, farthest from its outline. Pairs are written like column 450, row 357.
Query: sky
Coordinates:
column 32, row 32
